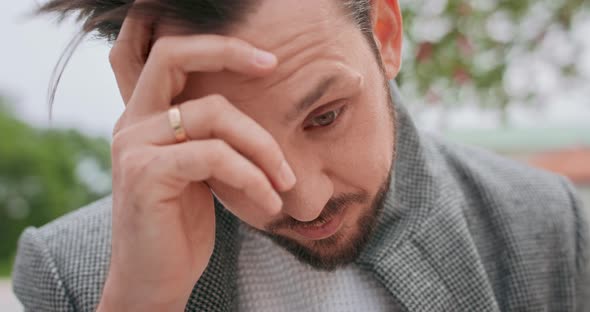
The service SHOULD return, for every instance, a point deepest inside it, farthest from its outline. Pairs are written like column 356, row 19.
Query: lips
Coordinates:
column 320, row 230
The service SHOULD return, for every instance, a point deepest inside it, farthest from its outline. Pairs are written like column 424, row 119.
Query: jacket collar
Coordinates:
column 421, row 251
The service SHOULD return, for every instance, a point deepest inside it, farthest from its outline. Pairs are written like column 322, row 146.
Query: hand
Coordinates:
column 163, row 228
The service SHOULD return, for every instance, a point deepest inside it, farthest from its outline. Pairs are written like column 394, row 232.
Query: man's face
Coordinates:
column 327, row 106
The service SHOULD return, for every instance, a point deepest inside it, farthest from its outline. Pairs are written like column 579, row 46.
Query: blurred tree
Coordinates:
column 472, row 52
column 44, row 174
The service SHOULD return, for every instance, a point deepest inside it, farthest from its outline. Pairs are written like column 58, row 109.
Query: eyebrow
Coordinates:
column 311, row 97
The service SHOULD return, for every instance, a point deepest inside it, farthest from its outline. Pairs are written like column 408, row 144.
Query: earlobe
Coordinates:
column 388, row 33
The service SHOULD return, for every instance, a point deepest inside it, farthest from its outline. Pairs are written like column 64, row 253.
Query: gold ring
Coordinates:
column 176, row 124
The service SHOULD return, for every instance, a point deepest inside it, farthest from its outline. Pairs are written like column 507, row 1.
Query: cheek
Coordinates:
column 369, row 143
column 364, row 154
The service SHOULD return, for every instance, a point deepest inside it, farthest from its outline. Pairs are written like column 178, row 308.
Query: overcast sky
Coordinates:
column 88, row 98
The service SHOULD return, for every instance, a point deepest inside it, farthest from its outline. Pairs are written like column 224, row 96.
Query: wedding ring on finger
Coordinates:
column 175, row 119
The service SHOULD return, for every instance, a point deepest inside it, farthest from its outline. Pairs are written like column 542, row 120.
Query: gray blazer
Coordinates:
column 463, row 230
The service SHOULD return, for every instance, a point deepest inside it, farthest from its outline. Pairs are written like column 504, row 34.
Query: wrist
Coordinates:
column 118, row 296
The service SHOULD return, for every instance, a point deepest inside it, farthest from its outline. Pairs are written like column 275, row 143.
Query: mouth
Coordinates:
column 320, row 229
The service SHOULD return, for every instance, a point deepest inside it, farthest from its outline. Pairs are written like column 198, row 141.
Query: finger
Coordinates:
column 172, row 58
column 129, row 53
column 198, row 161
column 241, row 206
column 215, row 117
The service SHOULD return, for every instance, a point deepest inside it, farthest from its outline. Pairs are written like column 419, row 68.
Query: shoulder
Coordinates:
column 62, row 265
column 511, row 195
column 529, row 227
column 499, row 181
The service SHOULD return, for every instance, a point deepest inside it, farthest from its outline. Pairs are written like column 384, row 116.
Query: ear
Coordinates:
column 388, row 32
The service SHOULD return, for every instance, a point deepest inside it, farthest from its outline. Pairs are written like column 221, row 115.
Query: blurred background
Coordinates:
column 511, row 76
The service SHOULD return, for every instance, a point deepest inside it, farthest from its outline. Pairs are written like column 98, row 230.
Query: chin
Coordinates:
column 335, row 251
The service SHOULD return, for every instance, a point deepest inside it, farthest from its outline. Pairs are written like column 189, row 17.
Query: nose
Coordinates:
column 314, row 188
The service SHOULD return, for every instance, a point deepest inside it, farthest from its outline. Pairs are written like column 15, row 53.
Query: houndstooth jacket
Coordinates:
column 462, row 230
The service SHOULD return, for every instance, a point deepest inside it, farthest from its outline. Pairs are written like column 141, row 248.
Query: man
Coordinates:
column 264, row 164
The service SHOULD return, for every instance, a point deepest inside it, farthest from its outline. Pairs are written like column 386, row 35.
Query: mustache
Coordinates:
column 333, row 207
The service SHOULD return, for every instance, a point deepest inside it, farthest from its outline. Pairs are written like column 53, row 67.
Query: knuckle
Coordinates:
column 160, row 48
column 258, row 183
column 123, row 139
column 218, row 148
column 119, row 144
column 135, row 164
column 219, row 153
column 232, row 47
column 217, row 100
column 216, row 103
column 115, row 55
column 180, row 163
column 119, row 125
column 128, row 158
column 129, row 162
column 183, row 161
column 120, row 57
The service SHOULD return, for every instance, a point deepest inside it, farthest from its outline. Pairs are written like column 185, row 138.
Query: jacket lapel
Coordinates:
column 216, row 289
column 422, row 250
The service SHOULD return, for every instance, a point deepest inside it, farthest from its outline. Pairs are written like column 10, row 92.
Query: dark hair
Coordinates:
column 104, row 19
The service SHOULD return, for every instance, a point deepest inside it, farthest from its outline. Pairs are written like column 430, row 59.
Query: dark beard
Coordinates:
column 336, row 251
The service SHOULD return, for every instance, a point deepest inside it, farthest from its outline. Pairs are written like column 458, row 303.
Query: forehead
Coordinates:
column 298, row 31
column 309, row 37
column 276, row 21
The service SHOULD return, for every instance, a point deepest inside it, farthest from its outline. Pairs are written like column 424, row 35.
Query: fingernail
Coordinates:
column 276, row 203
column 287, row 176
column 265, row 59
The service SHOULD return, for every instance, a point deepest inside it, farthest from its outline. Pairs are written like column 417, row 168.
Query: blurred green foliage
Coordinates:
column 456, row 45
column 43, row 175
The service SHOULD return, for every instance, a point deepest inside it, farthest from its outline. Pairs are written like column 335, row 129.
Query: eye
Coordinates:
column 325, row 119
